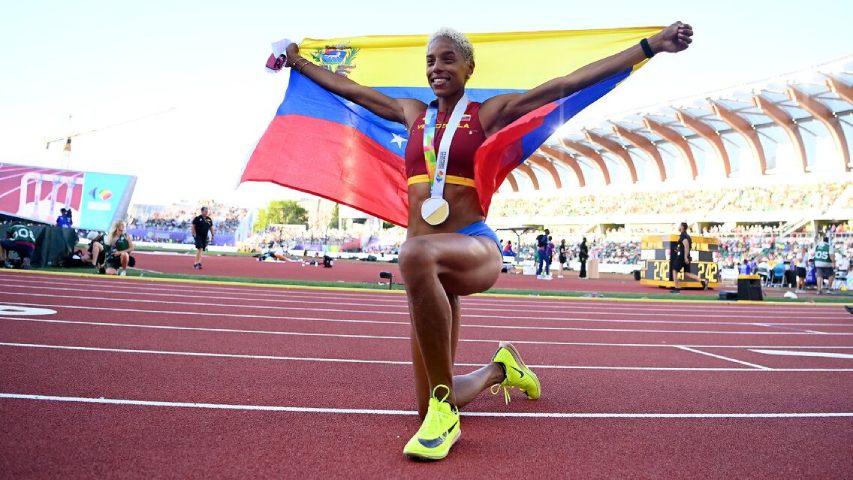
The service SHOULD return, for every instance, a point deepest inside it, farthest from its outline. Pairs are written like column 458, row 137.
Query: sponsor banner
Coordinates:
column 95, row 200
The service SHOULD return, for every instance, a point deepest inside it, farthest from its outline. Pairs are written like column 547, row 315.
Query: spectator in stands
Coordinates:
column 64, row 219
column 21, row 240
column 201, row 226
column 681, row 260
column 824, row 262
column 583, row 256
column 120, row 247
column 96, row 250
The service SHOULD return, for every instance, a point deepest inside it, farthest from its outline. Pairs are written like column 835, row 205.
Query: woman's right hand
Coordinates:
column 292, row 53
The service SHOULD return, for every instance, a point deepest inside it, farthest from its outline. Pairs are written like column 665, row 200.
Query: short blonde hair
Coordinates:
column 460, row 42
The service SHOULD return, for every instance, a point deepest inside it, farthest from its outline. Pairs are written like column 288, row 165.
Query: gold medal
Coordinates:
column 435, row 211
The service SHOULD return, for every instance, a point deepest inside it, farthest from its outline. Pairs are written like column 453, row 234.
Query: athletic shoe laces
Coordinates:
column 496, row 388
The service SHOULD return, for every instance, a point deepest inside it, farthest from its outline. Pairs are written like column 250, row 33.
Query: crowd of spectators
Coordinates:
column 172, row 218
column 750, row 199
column 387, row 242
column 785, row 197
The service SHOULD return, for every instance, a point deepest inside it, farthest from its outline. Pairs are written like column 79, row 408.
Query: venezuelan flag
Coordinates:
column 325, row 145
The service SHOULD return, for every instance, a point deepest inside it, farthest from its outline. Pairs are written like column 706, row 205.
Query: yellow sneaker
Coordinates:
column 439, row 431
column 517, row 374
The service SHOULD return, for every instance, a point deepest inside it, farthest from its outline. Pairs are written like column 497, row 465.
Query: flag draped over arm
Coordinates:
column 322, row 144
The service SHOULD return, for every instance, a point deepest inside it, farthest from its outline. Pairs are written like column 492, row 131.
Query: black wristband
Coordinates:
column 647, row 49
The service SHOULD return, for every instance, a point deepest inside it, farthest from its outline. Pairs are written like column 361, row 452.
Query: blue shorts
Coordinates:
column 480, row 229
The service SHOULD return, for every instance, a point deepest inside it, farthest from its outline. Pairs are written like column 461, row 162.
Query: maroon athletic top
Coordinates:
column 460, row 165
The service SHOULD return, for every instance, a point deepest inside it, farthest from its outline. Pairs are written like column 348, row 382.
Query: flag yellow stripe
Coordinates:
column 514, row 60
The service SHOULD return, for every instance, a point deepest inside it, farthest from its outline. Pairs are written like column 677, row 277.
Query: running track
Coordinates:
column 133, row 378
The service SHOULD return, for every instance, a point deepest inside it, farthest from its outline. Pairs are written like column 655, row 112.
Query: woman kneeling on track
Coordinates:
column 450, row 251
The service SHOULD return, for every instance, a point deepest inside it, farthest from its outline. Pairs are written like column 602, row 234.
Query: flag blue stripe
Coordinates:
column 568, row 108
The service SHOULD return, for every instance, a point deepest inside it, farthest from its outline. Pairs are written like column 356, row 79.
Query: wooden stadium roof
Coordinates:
column 796, row 123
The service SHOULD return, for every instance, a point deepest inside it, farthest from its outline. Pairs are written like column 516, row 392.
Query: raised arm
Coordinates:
column 502, row 110
column 403, row 111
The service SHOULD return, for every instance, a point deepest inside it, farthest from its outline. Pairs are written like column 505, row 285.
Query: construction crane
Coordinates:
column 66, row 162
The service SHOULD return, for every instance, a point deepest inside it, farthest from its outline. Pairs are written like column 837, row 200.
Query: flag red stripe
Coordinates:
column 333, row 161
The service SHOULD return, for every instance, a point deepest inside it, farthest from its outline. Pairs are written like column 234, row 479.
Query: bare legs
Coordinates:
column 687, row 275
column 124, row 258
column 96, row 252
column 438, row 269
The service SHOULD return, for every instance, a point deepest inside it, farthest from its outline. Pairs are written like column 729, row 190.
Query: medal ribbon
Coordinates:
column 437, row 165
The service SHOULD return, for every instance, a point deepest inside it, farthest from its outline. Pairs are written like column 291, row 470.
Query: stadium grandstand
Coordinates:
column 769, row 159
column 171, row 223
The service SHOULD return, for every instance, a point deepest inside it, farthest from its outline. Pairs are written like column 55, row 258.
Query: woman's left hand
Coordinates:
column 674, row 38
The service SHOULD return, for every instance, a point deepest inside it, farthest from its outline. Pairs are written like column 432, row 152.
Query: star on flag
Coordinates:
column 398, row 140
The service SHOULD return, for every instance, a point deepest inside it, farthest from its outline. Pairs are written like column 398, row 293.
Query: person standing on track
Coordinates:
column 541, row 250
column 563, row 255
column 583, row 256
column 201, row 225
column 824, row 262
column 681, row 260
column 450, row 251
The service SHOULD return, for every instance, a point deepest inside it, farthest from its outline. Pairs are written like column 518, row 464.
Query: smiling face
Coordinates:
column 447, row 69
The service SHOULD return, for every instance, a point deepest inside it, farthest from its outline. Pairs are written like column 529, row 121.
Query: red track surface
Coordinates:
column 368, row 272
column 295, row 383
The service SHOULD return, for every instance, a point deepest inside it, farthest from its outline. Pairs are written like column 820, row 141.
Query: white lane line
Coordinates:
column 404, row 363
column 206, row 354
column 804, row 354
column 753, row 365
column 406, row 338
column 366, row 411
column 406, row 324
column 320, row 297
column 790, row 326
column 403, row 308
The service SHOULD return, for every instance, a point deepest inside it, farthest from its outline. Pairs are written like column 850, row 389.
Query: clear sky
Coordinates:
column 178, row 95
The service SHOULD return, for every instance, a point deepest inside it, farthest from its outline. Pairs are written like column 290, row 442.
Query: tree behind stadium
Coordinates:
column 287, row 212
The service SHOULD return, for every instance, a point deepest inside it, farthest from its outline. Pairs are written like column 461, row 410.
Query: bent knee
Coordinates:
column 417, row 256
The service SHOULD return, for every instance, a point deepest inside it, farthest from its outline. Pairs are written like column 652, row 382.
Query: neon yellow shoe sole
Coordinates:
column 518, row 375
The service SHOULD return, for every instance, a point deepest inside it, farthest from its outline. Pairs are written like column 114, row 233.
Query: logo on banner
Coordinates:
column 338, row 59
column 100, row 199
column 101, row 194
